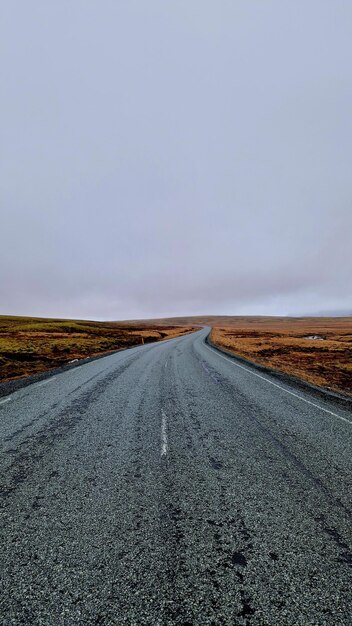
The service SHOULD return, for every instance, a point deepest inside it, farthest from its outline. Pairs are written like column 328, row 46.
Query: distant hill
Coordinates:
column 237, row 320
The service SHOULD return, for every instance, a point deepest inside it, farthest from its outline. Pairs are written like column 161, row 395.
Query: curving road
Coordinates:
column 171, row 485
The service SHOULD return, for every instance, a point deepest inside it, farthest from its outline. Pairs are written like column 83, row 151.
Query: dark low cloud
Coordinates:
column 173, row 158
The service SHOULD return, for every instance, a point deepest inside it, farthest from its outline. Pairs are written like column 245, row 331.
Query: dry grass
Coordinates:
column 32, row 345
column 282, row 344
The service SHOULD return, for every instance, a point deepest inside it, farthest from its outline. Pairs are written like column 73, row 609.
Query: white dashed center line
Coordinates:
column 45, row 382
column 164, row 445
column 6, row 400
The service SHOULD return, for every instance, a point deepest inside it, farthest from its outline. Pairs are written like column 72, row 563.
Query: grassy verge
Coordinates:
column 32, row 345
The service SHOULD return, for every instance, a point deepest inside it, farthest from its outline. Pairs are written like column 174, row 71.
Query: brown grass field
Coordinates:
column 32, row 345
column 282, row 344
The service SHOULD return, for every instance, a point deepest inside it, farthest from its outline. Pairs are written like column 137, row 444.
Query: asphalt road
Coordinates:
column 170, row 485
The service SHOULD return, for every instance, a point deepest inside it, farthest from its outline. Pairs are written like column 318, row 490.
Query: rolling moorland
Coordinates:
column 32, row 345
column 317, row 350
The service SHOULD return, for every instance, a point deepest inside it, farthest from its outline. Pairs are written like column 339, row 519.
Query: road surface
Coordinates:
column 171, row 485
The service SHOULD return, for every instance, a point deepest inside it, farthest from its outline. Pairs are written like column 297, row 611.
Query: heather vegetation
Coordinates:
column 32, row 345
column 317, row 350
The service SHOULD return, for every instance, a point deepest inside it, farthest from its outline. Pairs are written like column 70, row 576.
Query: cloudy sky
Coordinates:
column 180, row 157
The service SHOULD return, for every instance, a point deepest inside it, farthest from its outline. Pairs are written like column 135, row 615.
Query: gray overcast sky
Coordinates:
column 163, row 158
